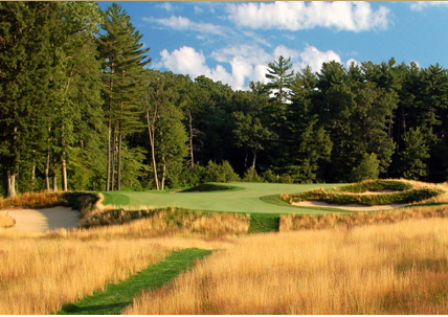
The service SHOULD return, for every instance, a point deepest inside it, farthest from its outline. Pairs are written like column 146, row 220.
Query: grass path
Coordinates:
column 247, row 197
column 116, row 297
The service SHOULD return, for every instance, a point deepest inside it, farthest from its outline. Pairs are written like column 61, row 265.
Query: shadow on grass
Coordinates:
column 116, row 297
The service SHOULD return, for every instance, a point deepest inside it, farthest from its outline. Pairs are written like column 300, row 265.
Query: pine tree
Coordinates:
column 123, row 67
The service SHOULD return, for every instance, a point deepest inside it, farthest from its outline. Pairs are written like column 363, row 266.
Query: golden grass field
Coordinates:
column 42, row 271
column 389, row 262
column 6, row 221
column 397, row 268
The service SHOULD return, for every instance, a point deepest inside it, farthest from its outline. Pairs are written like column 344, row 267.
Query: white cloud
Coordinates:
column 185, row 24
column 198, row 10
column 167, row 6
column 420, row 5
column 246, row 62
column 350, row 61
column 298, row 15
column 314, row 58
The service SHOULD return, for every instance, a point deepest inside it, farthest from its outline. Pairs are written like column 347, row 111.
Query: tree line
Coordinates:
column 81, row 110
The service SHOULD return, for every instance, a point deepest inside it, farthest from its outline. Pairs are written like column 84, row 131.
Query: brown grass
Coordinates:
column 162, row 220
column 6, row 221
column 327, row 221
column 33, row 200
column 41, row 272
column 381, row 269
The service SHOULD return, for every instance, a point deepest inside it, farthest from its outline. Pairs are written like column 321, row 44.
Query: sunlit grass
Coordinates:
column 381, row 269
column 40, row 272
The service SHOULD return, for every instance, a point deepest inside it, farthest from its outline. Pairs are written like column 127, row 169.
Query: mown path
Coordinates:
column 116, row 297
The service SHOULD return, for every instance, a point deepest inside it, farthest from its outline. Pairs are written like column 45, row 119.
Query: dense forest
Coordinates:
column 81, row 109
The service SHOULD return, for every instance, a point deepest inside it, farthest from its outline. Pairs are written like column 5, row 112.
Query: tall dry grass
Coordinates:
column 6, row 221
column 294, row 222
column 41, row 272
column 382, row 269
column 161, row 220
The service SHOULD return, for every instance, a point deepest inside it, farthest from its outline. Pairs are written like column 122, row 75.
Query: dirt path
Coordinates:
column 355, row 207
column 39, row 220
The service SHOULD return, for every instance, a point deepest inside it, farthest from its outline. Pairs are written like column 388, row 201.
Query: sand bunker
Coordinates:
column 357, row 207
column 40, row 220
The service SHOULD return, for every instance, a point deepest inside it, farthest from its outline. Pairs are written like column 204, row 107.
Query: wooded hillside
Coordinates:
column 81, row 108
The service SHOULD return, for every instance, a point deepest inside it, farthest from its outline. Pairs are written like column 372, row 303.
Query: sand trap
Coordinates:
column 357, row 207
column 40, row 220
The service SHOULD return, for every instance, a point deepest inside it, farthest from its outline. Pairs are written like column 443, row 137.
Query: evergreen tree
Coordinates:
column 123, row 67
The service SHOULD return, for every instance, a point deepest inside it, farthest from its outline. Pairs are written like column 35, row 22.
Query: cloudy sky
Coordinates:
column 234, row 41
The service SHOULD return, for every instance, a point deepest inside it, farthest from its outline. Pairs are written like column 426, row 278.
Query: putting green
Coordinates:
column 245, row 197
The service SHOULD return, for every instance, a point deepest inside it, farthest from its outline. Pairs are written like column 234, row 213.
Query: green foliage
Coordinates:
column 286, row 179
column 223, row 173
column 252, row 176
column 368, row 168
column 415, row 155
column 270, row 177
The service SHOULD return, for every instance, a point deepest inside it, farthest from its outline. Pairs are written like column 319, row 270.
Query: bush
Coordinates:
column 270, row 177
column 252, row 176
column 220, row 173
column 286, row 179
column 368, row 168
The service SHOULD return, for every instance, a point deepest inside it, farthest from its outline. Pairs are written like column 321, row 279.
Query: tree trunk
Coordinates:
column 114, row 146
column 33, row 174
column 163, row 172
column 64, row 172
column 153, row 155
column 119, row 163
column 47, row 163
column 190, row 123
column 108, row 156
column 111, row 85
column 55, row 182
column 255, row 158
column 9, row 182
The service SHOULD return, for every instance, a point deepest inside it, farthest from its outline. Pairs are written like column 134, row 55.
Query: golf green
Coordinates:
column 244, row 197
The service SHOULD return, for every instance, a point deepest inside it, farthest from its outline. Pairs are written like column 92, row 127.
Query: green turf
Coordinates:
column 116, row 297
column 264, row 223
column 246, row 200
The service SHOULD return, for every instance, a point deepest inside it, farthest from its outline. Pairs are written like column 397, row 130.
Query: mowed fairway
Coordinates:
column 245, row 197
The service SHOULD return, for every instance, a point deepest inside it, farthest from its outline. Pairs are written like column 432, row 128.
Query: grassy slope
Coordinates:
column 116, row 297
column 247, row 200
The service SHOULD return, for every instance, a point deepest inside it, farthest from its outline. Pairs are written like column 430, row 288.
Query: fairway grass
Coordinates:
column 116, row 297
column 247, row 200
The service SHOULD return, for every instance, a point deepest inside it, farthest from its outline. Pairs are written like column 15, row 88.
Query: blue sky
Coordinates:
column 233, row 42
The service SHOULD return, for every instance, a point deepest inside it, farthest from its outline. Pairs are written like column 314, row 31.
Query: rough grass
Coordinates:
column 40, row 272
column 408, row 192
column 375, row 186
column 6, row 221
column 313, row 222
column 76, row 200
column 381, row 269
column 166, row 219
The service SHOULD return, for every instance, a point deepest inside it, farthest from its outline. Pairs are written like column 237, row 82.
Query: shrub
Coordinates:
column 368, row 168
column 252, row 176
column 269, row 176
column 220, row 173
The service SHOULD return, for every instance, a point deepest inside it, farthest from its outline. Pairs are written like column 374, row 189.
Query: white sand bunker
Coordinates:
column 357, row 207
column 40, row 220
